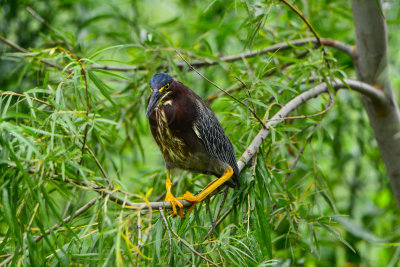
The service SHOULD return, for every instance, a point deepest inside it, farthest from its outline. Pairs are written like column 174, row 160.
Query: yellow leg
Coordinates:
column 169, row 197
column 208, row 190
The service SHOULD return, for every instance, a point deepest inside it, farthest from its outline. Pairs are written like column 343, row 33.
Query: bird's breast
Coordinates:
column 172, row 147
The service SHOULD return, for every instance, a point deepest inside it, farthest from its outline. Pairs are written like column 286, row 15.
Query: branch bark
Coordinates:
column 372, row 67
column 363, row 88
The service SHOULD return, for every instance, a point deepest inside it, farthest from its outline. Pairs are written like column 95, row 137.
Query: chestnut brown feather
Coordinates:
column 190, row 136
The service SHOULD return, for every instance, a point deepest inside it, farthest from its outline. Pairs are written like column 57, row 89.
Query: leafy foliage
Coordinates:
column 316, row 192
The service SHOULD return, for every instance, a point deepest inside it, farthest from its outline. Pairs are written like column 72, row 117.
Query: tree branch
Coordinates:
column 372, row 66
column 314, row 32
column 169, row 234
column 348, row 49
column 225, row 92
column 360, row 87
column 11, row 44
column 23, row 50
column 114, row 68
column 48, row 25
column 296, row 160
column 187, row 244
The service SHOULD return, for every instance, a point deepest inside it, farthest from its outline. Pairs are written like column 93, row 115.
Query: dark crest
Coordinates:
column 159, row 80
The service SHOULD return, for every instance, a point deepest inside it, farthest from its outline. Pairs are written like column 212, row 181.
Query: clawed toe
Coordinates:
column 175, row 201
column 191, row 198
column 170, row 198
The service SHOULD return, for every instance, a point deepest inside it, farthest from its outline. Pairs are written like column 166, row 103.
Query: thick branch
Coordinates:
column 363, row 88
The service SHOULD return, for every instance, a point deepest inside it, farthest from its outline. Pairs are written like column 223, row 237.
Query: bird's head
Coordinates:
column 160, row 84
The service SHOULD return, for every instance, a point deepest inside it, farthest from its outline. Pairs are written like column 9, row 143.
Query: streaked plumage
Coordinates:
column 188, row 133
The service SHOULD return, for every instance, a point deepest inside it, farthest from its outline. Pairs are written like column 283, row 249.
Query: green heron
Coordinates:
column 190, row 137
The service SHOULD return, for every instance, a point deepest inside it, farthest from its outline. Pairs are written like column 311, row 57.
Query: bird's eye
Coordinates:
column 166, row 86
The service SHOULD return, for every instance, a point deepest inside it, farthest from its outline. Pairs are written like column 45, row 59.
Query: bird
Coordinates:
column 190, row 137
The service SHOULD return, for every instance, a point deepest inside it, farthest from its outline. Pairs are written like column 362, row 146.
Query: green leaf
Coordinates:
column 101, row 86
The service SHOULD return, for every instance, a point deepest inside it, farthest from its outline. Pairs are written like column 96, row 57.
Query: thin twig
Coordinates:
column 83, row 75
column 139, row 235
column 294, row 164
column 192, row 249
column 216, row 94
column 11, row 44
column 69, row 218
column 111, row 187
column 211, row 232
column 220, row 257
column 23, row 50
column 247, row 90
column 314, row 32
column 22, row 95
column 237, row 100
column 346, row 48
column 248, row 214
column 42, row 20
column 218, row 213
column 209, row 214
column 114, row 68
column 223, row 216
column 169, row 234
column 139, row 229
column 104, row 192
column 222, row 202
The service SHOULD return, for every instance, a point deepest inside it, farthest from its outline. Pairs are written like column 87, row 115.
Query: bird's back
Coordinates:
column 217, row 144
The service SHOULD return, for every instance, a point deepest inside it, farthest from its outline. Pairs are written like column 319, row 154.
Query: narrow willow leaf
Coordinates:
column 101, row 86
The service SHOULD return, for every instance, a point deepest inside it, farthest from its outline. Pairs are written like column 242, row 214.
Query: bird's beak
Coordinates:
column 154, row 98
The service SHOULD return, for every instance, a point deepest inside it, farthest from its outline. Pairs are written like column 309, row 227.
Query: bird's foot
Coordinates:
column 170, row 198
column 191, row 198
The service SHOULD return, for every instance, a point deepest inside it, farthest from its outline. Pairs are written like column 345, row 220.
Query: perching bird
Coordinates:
column 190, row 137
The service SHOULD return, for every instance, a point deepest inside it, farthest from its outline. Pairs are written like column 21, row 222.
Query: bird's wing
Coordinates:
column 217, row 144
